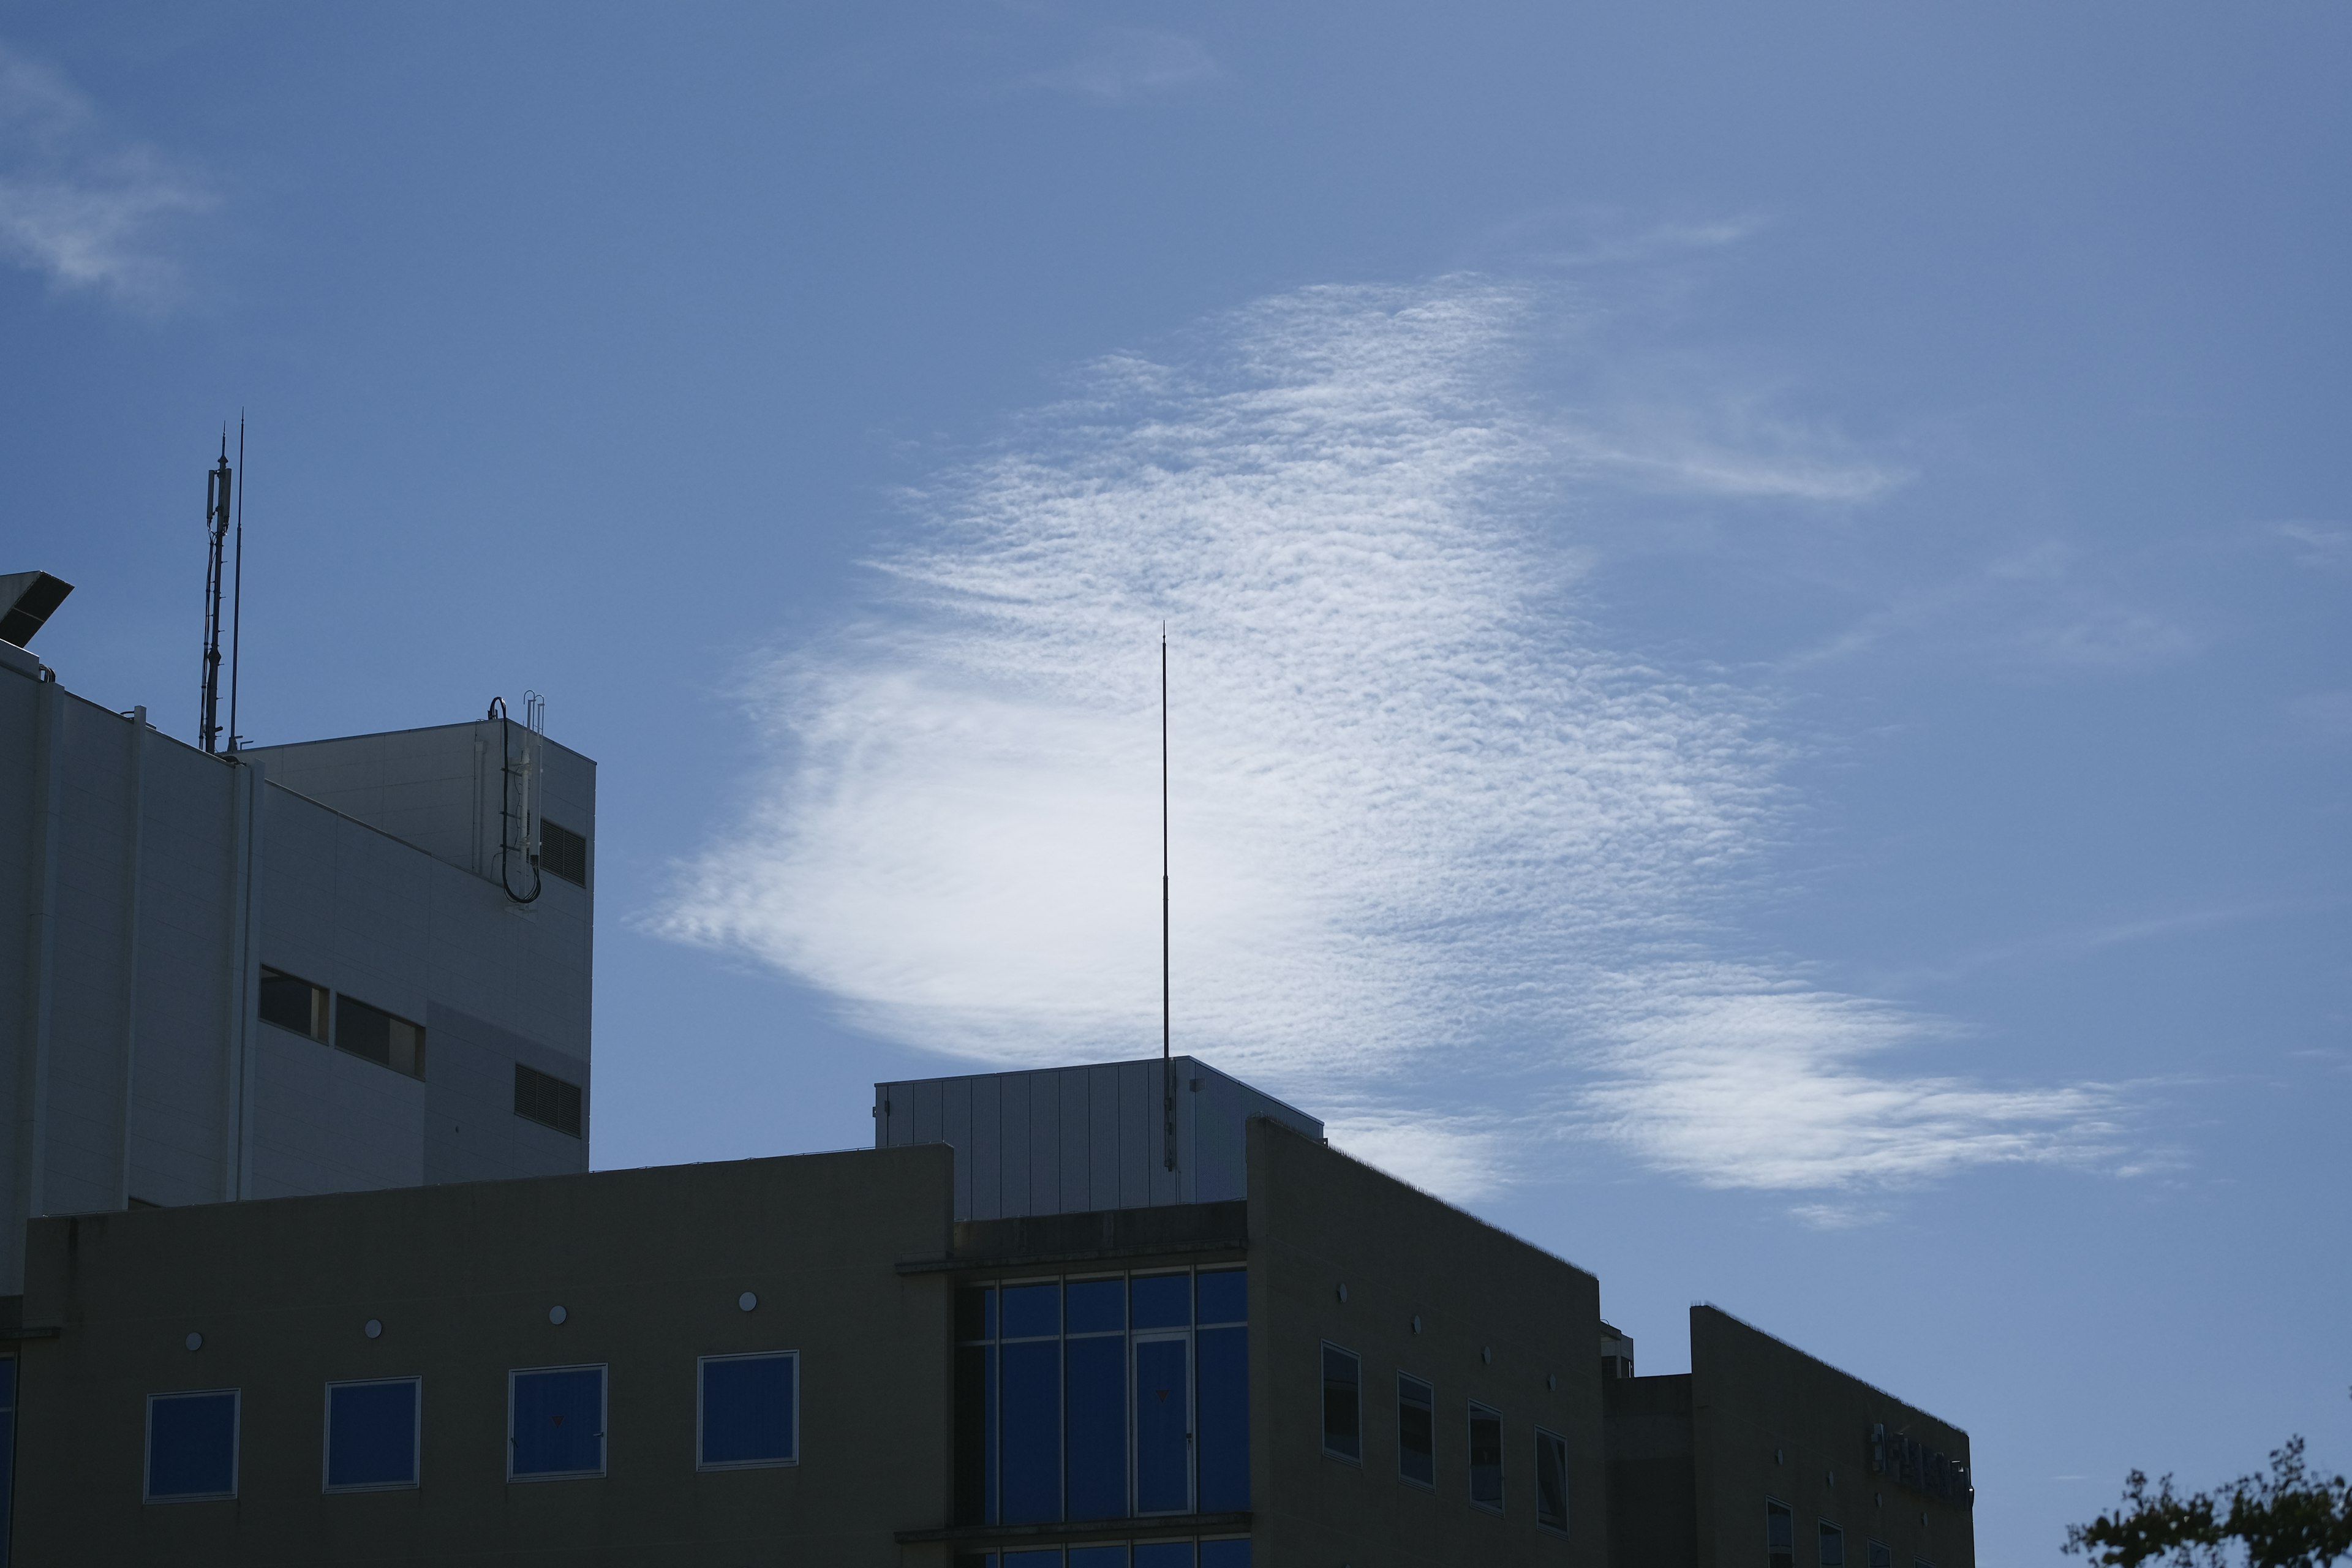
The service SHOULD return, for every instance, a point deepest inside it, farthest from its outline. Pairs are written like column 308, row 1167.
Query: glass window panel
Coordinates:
column 1780, row 1536
column 1163, row 1555
column 1833, row 1546
column 1032, row 1309
column 1162, row 1425
column 1881, row 1555
column 975, row 1560
column 1485, row 1457
column 1551, row 1481
column 191, row 1445
column 1226, row 1554
column 1098, row 1557
column 1224, row 1296
column 747, row 1410
column 292, row 1003
column 1416, row 1432
column 1046, row 1559
column 1221, row 1398
column 1342, row 1428
column 1097, row 1306
column 557, row 1421
column 1163, row 1301
column 1098, row 1424
column 372, row 1434
column 1029, row 1403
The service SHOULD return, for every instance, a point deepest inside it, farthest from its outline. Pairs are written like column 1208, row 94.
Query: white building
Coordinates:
column 320, row 967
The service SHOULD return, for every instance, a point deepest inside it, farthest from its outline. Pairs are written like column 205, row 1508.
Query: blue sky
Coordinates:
column 1756, row 600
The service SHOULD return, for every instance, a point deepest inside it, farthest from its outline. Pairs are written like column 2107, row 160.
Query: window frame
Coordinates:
column 1502, row 1466
column 1135, row 1340
column 235, row 1447
column 322, row 1002
column 604, row 1371
column 343, row 999
column 1823, row 1528
column 1430, row 1389
column 1323, row 1421
column 701, row 1362
column 327, row 1438
column 1775, row 1509
column 1567, row 1510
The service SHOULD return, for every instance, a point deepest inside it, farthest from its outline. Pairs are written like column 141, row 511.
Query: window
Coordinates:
column 1230, row 1552
column 556, row 1422
column 547, row 1100
column 1881, row 1555
column 382, row 1038
column 563, row 853
column 1102, row 1399
column 292, row 1003
column 1163, row 1555
column 748, row 1410
column 1780, row 1535
column 1225, row 1554
column 1833, row 1546
column 1486, row 1458
column 1551, row 1481
column 1343, row 1435
column 1417, row 1431
column 191, row 1445
column 1098, row 1557
column 372, row 1434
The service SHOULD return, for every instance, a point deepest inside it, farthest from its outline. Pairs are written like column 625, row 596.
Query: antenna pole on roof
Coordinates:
column 1167, row 1062
column 218, row 484
column 237, row 594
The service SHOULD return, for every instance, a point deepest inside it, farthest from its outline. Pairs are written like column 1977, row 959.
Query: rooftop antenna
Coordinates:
column 237, row 594
column 217, row 485
column 1167, row 1062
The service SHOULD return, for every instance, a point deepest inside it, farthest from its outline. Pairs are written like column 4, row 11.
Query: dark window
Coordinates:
column 1148, row 1554
column 292, row 1003
column 372, row 1434
column 1551, row 1481
column 1094, row 1373
column 1163, row 1426
column 1343, row 1432
column 976, row 1412
column 749, row 1406
column 1099, row 1557
column 1833, row 1546
column 191, row 1445
column 1486, row 1458
column 1029, row 1403
column 547, row 1100
column 1780, row 1536
column 1221, row 1346
column 1417, row 1431
column 1163, row 1301
column 563, row 853
column 378, row 1036
column 1881, row 1555
column 556, row 1422
column 1224, row 1554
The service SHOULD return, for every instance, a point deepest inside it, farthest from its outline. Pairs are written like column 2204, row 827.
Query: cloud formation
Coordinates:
column 79, row 204
column 1126, row 63
column 1446, row 863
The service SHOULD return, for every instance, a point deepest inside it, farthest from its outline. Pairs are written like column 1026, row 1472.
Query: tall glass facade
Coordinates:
column 1106, row 1397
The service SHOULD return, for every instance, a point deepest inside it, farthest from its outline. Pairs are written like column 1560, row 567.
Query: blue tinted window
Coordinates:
column 1098, row 1557
column 1029, row 1464
column 1224, row 1297
column 1223, row 1399
column 1164, row 1554
column 1163, row 1301
column 1033, row 1559
column 1097, row 1426
column 748, row 1410
column 372, row 1434
column 1098, row 1306
column 1224, row 1554
column 191, row 1445
column 1031, row 1309
column 556, row 1422
column 1162, row 1478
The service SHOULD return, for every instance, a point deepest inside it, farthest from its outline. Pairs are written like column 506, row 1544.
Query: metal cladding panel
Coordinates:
column 1135, row 1139
column 987, row 1148
column 1102, row 1138
column 927, row 1111
column 958, row 1102
column 1077, row 1169
column 1046, row 1143
column 1012, row 1162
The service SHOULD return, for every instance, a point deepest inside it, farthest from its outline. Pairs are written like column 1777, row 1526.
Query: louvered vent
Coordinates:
column 563, row 853
column 547, row 1100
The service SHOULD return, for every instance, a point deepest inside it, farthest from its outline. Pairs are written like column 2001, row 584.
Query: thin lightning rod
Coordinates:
column 1167, row 1062
column 236, row 600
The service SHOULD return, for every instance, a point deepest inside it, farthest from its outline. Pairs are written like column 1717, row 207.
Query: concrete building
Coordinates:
column 813, row 1358
column 287, row 970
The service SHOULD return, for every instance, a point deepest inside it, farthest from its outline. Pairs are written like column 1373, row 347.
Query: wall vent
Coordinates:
column 563, row 853
column 547, row 1100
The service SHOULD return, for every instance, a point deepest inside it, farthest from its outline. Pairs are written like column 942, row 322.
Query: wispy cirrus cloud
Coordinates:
column 81, row 204
column 1447, row 862
column 1121, row 64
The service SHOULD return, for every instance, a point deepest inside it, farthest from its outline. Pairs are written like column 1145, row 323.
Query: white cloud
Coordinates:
column 1124, row 63
column 1440, row 852
column 79, row 202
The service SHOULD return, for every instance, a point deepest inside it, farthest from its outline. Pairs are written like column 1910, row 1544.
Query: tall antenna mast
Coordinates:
column 1167, row 1062
column 237, row 594
column 217, row 486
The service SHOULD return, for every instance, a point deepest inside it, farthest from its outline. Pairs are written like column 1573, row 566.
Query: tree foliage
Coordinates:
column 2283, row 1519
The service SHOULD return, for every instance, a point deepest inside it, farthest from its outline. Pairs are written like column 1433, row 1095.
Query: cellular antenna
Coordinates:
column 217, row 485
column 1167, row 1062
column 237, row 594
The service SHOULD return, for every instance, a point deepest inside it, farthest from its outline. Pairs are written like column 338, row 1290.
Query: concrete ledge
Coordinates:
column 1154, row 1527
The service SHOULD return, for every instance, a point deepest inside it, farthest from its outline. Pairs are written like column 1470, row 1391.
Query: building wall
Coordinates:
column 1319, row 1220
column 1652, row 1522
column 648, row 1266
column 1771, row 1422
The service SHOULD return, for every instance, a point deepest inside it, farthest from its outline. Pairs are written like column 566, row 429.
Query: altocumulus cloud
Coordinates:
column 1423, row 817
